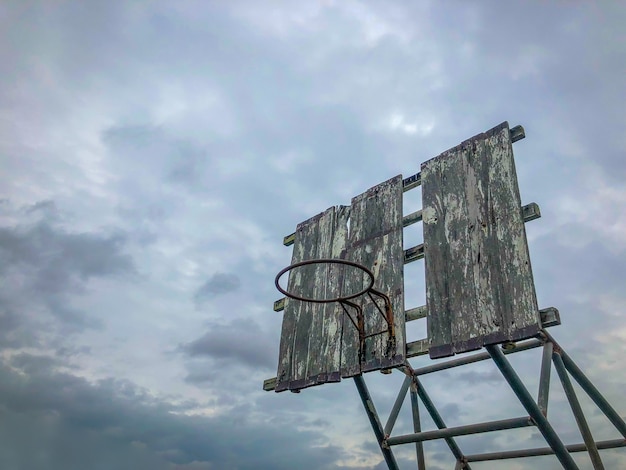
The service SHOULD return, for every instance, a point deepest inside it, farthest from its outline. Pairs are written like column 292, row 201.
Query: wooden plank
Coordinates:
column 375, row 241
column 483, row 254
column 462, row 301
column 479, row 283
column 436, row 259
column 296, row 319
column 518, row 303
column 310, row 341
column 325, row 353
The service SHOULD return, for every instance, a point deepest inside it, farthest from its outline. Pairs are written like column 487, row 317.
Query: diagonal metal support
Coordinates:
column 532, row 408
column 417, row 427
column 397, row 405
column 438, row 420
column 578, row 412
column 590, row 389
column 544, row 377
column 370, row 410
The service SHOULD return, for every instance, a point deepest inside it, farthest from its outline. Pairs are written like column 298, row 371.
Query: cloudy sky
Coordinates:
column 154, row 153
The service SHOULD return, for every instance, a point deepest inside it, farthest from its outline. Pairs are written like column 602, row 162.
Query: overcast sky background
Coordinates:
column 153, row 155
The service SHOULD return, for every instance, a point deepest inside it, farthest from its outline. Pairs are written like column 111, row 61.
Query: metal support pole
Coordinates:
column 438, row 420
column 578, row 412
column 516, row 454
column 525, row 346
column 531, row 407
column 591, row 390
column 397, row 405
column 417, row 427
column 499, row 425
column 544, row 377
column 370, row 410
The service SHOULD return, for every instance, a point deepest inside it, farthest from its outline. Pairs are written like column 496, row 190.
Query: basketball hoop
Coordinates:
column 341, row 298
column 347, row 300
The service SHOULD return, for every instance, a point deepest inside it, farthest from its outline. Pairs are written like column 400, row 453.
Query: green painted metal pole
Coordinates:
column 370, row 410
column 393, row 415
column 531, row 407
column 544, row 377
column 591, row 390
column 417, row 426
column 570, row 394
column 438, row 420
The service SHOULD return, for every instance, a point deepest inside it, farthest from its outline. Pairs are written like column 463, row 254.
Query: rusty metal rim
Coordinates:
column 325, row 261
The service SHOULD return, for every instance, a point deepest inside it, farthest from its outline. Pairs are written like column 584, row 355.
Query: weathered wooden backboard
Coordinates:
column 310, row 344
column 318, row 342
column 479, row 284
column 375, row 241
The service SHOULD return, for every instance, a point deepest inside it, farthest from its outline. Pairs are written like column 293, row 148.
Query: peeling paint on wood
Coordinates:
column 478, row 278
column 375, row 241
column 310, row 345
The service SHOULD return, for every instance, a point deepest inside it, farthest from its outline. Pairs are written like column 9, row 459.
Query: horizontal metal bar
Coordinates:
column 279, row 305
column 524, row 346
column 512, row 423
column 536, row 452
column 407, row 220
column 415, row 313
column 417, row 348
column 270, row 384
column 517, row 133
column 531, row 212
column 414, row 253
column 412, row 182
column 549, row 317
column 412, row 218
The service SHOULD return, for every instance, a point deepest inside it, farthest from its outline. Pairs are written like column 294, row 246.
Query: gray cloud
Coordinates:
column 157, row 117
column 58, row 259
column 119, row 425
column 242, row 341
column 42, row 264
column 218, row 284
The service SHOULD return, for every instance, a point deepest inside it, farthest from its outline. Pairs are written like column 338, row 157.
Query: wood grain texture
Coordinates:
column 479, row 285
column 309, row 352
column 375, row 241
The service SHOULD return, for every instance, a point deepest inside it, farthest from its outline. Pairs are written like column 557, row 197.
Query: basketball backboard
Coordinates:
column 318, row 342
column 479, row 286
